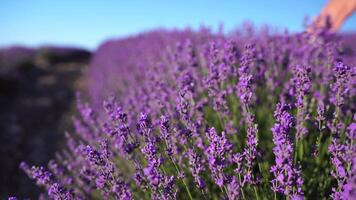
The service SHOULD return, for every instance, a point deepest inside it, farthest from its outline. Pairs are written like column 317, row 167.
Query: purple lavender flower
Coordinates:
column 233, row 189
column 218, row 148
column 286, row 175
column 340, row 87
column 144, row 126
column 340, row 172
column 57, row 191
column 151, row 171
column 349, row 188
column 213, row 79
column 166, row 135
column 115, row 112
column 59, row 172
column 169, row 191
column 121, row 189
column 244, row 86
column 320, row 118
column 343, row 158
column 351, row 134
column 83, row 130
column 46, row 179
column 93, row 156
column 187, row 82
column 87, row 113
column 250, row 151
column 42, row 176
column 231, row 56
column 196, row 167
column 302, row 85
column 183, row 107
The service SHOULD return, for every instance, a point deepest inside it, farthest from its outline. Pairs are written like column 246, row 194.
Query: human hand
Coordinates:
column 334, row 14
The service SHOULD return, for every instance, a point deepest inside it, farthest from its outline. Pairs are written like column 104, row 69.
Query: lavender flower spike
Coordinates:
column 302, row 84
column 244, row 86
column 218, row 147
column 286, row 175
column 250, row 151
column 196, row 167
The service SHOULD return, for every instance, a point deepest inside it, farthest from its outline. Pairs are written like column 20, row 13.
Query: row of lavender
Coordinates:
column 196, row 115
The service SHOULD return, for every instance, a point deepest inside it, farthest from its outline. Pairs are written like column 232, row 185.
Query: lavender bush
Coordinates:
column 206, row 116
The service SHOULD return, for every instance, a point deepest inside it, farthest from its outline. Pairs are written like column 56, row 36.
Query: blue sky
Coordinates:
column 86, row 23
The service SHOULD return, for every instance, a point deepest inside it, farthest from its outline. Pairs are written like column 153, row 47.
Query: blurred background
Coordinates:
column 46, row 47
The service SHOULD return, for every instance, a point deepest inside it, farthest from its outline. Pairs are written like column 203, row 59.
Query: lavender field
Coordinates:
column 178, row 100
column 193, row 114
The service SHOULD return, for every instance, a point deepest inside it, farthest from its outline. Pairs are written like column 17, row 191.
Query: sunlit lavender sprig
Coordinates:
column 213, row 80
column 343, row 158
column 244, row 88
column 320, row 121
column 118, row 128
column 166, row 134
column 302, row 84
column 105, row 173
column 349, row 188
column 149, row 150
column 45, row 179
column 286, row 176
column 196, row 168
column 152, row 172
column 244, row 85
column 340, row 88
column 250, row 151
column 233, row 189
column 216, row 152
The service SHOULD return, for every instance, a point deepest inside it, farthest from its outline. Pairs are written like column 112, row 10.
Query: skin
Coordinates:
column 336, row 12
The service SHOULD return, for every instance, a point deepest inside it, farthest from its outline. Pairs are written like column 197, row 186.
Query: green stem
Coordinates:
column 296, row 151
column 202, row 191
column 186, row 187
column 221, row 189
column 349, row 164
column 242, row 191
column 256, row 194
column 185, row 184
column 320, row 136
column 225, row 189
column 178, row 171
column 319, row 147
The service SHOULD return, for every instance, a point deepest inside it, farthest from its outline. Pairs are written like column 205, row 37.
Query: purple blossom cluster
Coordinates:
column 287, row 179
column 216, row 152
column 56, row 190
column 302, row 84
column 343, row 158
column 189, row 115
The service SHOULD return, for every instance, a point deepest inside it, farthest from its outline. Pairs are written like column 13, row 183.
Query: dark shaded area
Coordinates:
column 37, row 94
